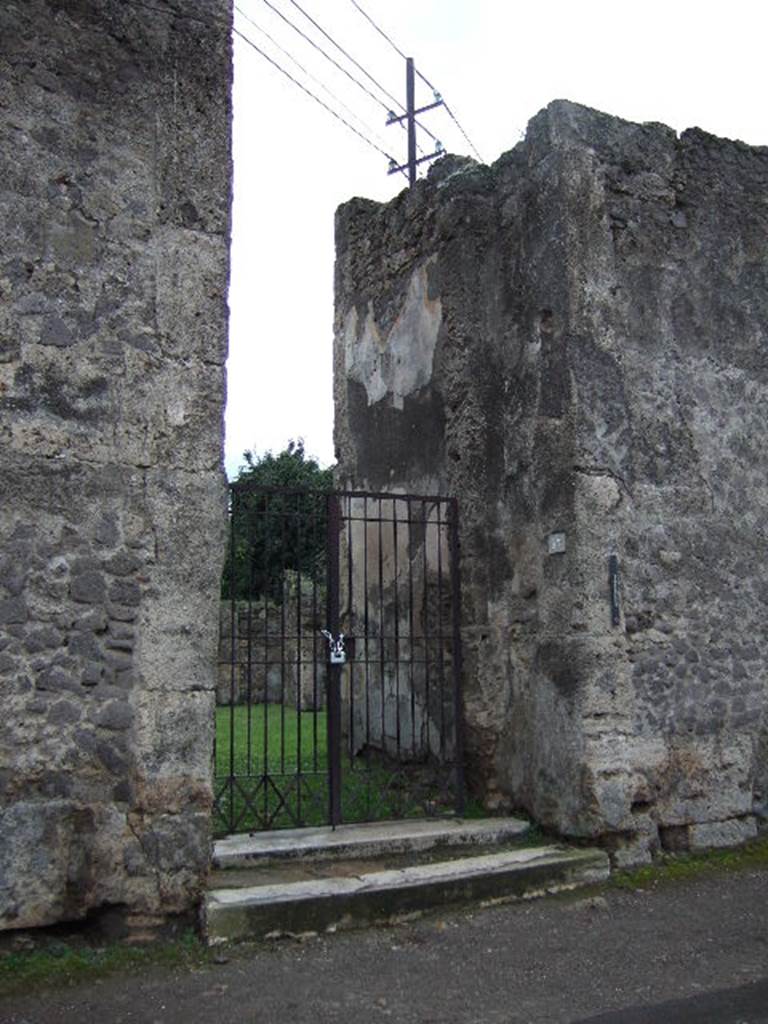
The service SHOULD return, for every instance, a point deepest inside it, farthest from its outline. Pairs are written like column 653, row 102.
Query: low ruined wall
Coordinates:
column 573, row 342
column 114, row 206
column 273, row 653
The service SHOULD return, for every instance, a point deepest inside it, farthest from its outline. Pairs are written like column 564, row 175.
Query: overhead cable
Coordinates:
column 394, row 46
column 455, row 121
column 378, row 29
column 419, row 73
column 327, row 56
column 313, row 78
column 309, row 92
column 350, row 58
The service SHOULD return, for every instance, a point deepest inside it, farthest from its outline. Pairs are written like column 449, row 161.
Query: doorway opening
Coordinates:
column 338, row 695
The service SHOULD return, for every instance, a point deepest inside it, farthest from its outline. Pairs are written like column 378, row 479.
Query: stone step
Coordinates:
column 372, row 839
column 326, row 904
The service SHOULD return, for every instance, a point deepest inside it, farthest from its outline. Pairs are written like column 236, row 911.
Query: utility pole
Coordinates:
column 409, row 117
column 410, row 104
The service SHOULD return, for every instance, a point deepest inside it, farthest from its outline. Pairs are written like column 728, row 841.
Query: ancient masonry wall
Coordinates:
column 114, row 207
column 272, row 653
column 573, row 342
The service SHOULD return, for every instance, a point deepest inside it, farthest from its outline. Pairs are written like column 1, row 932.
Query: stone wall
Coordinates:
column 114, row 206
column 573, row 342
column 273, row 652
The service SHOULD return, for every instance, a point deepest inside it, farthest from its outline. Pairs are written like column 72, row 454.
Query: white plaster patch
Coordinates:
column 400, row 362
column 176, row 412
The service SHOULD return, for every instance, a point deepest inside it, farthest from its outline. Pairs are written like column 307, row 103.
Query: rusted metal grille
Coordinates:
column 301, row 741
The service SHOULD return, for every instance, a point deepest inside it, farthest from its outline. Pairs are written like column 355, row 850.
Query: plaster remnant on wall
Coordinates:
column 398, row 362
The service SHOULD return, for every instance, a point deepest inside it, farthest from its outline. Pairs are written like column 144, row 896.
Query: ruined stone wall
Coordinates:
column 573, row 342
column 114, row 207
column 272, row 652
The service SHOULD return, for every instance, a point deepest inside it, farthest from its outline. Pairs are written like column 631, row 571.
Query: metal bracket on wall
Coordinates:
column 613, row 580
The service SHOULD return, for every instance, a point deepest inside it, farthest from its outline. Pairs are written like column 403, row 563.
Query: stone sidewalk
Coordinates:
column 694, row 951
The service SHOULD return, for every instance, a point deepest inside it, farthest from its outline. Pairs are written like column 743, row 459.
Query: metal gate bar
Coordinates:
column 300, row 741
column 402, row 609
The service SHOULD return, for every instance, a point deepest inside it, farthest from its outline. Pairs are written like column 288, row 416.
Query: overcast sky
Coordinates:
column 496, row 63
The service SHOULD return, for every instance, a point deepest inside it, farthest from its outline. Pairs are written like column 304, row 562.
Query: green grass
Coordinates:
column 292, row 739
column 62, row 963
column 678, row 867
column 288, row 746
column 371, row 790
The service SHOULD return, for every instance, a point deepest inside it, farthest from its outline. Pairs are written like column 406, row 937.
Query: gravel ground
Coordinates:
column 694, row 951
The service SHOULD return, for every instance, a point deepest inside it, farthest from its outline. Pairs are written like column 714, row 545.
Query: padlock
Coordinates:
column 337, row 653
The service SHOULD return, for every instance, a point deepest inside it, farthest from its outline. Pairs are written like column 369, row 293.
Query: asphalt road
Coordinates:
column 693, row 952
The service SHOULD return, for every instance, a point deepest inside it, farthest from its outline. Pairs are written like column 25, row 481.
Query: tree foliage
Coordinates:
column 277, row 524
column 290, row 468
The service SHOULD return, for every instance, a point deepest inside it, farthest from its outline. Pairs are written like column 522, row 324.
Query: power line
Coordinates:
column 344, row 71
column 456, row 122
column 381, row 31
column 309, row 74
column 421, row 76
column 327, row 56
column 350, row 58
column 309, row 92
column 394, row 46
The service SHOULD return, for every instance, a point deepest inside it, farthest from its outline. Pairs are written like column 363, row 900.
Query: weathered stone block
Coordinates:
column 174, row 734
column 13, row 610
column 115, row 715
column 721, row 833
column 56, row 857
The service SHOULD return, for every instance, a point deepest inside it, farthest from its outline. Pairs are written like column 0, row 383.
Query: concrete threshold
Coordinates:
column 368, row 840
column 372, row 839
column 331, row 903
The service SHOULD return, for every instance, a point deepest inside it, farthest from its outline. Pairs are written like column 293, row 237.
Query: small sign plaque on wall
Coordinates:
column 556, row 544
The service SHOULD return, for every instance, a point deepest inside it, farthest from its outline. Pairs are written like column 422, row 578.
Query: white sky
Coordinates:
column 496, row 63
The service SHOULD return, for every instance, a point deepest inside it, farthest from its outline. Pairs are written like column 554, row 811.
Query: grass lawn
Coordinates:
column 271, row 768
column 289, row 738
column 273, row 774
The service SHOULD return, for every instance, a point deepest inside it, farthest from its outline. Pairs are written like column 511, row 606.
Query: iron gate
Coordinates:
column 340, row 660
